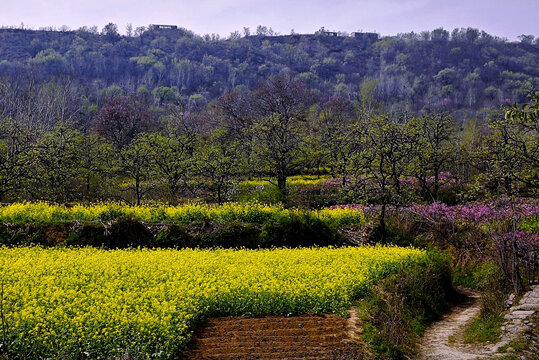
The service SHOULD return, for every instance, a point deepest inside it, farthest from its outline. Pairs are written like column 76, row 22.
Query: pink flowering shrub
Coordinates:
column 479, row 212
column 502, row 229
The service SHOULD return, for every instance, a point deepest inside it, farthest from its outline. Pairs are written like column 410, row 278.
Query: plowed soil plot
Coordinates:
column 274, row 337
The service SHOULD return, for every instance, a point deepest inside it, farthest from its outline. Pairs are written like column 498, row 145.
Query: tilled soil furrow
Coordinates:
column 272, row 337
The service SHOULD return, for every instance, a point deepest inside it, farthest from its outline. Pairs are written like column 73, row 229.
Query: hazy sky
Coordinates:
column 388, row 17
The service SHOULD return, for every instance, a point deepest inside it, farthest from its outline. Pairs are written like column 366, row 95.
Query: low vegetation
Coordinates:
column 400, row 307
column 484, row 330
column 114, row 225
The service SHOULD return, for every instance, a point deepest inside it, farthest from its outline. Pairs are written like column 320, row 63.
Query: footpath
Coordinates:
column 444, row 340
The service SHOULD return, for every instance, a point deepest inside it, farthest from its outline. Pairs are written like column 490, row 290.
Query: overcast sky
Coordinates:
column 388, row 17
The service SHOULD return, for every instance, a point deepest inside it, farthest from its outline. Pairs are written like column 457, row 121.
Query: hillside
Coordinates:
column 466, row 69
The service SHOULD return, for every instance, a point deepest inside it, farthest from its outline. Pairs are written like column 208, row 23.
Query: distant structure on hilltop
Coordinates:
column 163, row 27
column 363, row 36
column 368, row 36
column 330, row 33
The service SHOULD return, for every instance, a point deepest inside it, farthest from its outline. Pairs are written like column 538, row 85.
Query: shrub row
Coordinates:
column 296, row 230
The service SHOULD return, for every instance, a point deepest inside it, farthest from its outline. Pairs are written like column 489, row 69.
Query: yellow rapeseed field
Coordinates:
column 93, row 303
column 42, row 212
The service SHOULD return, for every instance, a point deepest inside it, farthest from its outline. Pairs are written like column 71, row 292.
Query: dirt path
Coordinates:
column 444, row 339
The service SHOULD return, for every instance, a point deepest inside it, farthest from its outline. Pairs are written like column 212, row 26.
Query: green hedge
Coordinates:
column 291, row 231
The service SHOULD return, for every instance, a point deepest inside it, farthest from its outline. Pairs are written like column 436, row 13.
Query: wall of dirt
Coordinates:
column 276, row 337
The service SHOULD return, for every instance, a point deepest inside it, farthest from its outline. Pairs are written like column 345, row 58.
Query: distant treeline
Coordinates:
column 464, row 71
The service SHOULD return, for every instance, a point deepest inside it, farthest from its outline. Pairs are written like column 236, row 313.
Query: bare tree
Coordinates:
column 279, row 129
column 15, row 142
column 122, row 119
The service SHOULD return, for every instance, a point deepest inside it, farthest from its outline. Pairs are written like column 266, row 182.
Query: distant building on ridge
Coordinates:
column 163, row 27
column 330, row 33
column 366, row 36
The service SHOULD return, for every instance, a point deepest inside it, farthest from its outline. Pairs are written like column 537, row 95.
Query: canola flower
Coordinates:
column 43, row 212
column 92, row 303
column 297, row 180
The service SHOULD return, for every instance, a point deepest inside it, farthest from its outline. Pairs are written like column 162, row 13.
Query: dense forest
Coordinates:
column 464, row 70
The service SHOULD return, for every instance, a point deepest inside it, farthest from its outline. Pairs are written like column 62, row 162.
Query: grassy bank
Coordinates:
column 398, row 308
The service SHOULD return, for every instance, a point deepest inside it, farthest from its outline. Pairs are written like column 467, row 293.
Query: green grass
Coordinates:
column 508, row 357
column 484, row 330
column 519, row 344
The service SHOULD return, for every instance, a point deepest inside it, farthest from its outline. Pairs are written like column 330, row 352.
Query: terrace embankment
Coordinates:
column 277, row 337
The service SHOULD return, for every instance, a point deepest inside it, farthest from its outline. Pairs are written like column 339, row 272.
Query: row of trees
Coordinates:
column 275, row 131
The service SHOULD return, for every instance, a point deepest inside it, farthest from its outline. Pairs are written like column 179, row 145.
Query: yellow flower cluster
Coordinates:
column 92, row 303
column 42, row 212
column 297, row 180
column 342, row 216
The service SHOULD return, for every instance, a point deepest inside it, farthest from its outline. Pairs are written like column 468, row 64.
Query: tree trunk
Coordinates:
column 281, row 182
column 383, row 232
column 173, row 189
column 219, row 200
column 137, row 191
column 516, row 280
column 436, row 184
column 508, row 185
column 344, row 173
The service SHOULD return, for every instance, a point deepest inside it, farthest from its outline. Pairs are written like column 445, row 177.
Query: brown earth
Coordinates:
column 277, row 337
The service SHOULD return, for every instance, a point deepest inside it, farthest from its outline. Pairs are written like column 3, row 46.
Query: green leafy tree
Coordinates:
column 218, row 161
column 55, row 166
column 433, row 148
column 98, row 166
column 137, row 165
column 512, row 149
column 173, row 152
column 339, row 134
column 385, row 147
